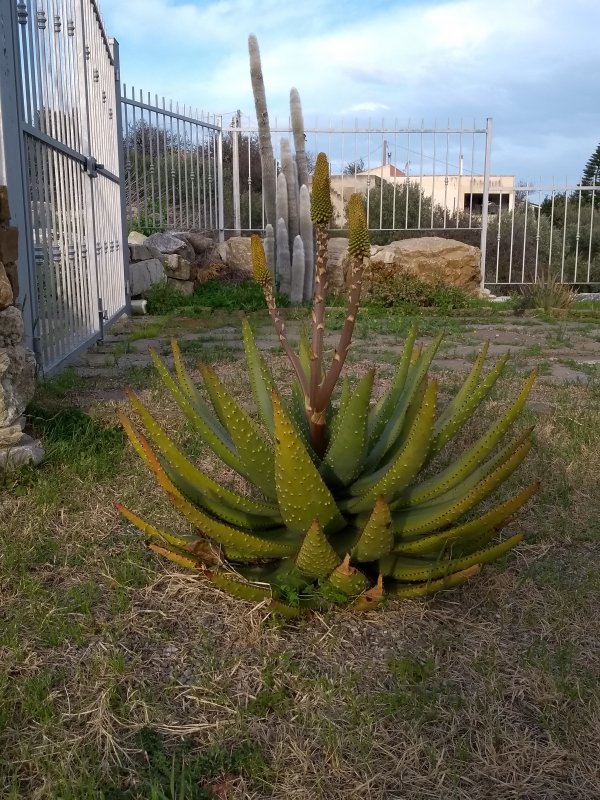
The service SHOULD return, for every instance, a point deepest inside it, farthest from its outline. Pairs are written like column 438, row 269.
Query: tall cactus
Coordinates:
column 264, row 130
column 269, row 244
column 284, row 265
column 298, row 267
column 288, row 169
column 282, row 199
column 307, row 234
column 299, row 136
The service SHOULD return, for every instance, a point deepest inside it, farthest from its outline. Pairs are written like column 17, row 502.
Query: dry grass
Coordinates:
column 115, row 668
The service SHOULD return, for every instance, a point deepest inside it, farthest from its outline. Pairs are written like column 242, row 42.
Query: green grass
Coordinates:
column 246, row 296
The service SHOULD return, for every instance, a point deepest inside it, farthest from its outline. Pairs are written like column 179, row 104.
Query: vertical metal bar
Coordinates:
column 472, row 175
column 185, row 173
column 406, row 179
column 368, row 174
column 180, row 193
column 204, row 178
column 589, row 267
column 459, row 205
column 421, row 176
column 512, row 242
column 564, row 241
column 498, row 238
column 151, row 168
column 486, row 194
column 249, row 185
column 220, row 210
column 433, row 172
column 446, row 178
column 172, row 170
column 551, row 228
column 158, row 170
column 381, row 187
column 143, row 143
column 577, row 235
column 237, row 222
column 537, row 234
column 119, row 138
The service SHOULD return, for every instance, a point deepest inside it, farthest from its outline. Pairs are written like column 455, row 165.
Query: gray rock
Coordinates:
column 6, row 292
column 582, row 296
column 235, row 252
column 11, row 327
column 140, row 252
column 12, row 434
column 185, row 287
column 135, row 237
column 17, row 383
column 177, row 267
column 169, row 244
column 201, row 244
column 146, row 274
column 25, row 451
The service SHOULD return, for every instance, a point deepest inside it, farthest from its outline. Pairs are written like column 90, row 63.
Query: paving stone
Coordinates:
column 98, row 372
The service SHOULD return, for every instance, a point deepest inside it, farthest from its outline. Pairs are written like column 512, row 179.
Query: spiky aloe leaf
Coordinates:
column 465, row 390
column 339, row 415
column 255, row 453
column 301, row 492
column 394, row 426
column 347, row 579
column 198, row 479
column 176, row 558
column 316, row 557
column 381, row 412
column 377, row 537
column 391, row 480
column 348, row 444
column 492, row 520
column 237, row 587
column 151, row 531
column 418, row 569
column 261, row 379
column 412, row 591
column 424, row 519
column 370, row 598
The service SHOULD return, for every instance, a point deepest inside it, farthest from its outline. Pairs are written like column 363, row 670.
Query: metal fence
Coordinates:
column 173, row 165
column 61, row 161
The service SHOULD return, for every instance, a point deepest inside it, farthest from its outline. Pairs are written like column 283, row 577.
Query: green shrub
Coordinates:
column 391, row 287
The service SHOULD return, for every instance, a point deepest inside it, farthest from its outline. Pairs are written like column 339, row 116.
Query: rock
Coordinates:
column 9, row 244
column 140, row 252
column 201, row 244
column 235, row 253
column 145, row 274
column 4, row 207
column 337, row 252
column 433, row 258
column 135, row 237
column 17, row 383
column 12, row 274
column 11, row 327
column 25, row 451
column 177, row 267
column 168, row 244
column 185, row 287
column 6, row 292
column 12, row 434
column 588, row 296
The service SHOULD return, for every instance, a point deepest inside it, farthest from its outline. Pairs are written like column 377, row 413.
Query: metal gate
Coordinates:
column 61, row 133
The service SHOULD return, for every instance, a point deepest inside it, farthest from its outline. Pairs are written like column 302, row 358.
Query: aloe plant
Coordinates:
column 338, row 509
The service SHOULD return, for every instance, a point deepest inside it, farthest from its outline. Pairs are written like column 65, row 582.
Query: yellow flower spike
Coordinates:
column 260, row 269
column 359, row 245
column 321, row 209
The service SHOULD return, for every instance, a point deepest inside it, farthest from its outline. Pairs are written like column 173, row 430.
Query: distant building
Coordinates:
column 462, row 192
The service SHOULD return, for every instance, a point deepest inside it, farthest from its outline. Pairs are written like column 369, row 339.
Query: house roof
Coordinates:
column 387, row 170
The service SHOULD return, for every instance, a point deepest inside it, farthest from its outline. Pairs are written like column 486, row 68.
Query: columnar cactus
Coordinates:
column 264, row 130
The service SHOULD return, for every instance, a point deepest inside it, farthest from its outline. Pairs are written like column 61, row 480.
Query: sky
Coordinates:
column 533, row 66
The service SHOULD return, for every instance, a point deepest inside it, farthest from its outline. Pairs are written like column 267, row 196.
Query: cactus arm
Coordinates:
column 306, row 232
column 298, row 265
column 298, row 130
column 264, row 130
column 288, row 169
column 302, row 494
column 284, row 265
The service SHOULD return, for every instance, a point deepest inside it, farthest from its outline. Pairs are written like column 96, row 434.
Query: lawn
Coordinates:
column 122, row 676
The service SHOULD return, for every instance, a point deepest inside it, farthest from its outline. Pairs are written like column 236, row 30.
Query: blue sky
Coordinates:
column 532, row 65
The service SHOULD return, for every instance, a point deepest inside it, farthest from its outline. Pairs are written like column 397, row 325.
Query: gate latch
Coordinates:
column 91, row 166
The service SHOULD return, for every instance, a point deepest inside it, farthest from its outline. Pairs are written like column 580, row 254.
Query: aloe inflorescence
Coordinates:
column 338, row 510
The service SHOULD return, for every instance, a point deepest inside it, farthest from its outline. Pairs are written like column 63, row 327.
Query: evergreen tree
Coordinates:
column 591, row 172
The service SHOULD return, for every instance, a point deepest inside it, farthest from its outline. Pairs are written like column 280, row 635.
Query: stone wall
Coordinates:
column 17, row 364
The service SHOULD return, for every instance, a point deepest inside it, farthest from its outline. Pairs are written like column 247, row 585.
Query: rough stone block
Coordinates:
column 135, row 237
column 4, row 206
column 169, row 244
column 201, row 244
column 11, row 327
column 25, row 451
column 6, row 292
column 145, row 274
column 12, row 433
column 12, row 274
column 139, row 252
column 177, row 267
column 9, row 244
column 185, row 287
column 17, row 383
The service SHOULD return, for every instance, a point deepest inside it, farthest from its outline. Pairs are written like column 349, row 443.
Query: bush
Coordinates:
column 246, row 296
column 547, row 293
column 390, row 287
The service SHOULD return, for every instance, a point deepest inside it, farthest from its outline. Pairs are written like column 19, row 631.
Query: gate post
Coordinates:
column 121, row 160
column 13, row 164
column 486, row 195
column 220, row 208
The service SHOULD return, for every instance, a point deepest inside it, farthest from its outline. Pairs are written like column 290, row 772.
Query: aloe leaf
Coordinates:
column 423, row 519
column 176, row 558
column 316, row 557
column 348, row 444
column 417, row 569
column 151, row 531
column 377, row 537
column 347, row 579
column 254, row 451
column 381, row 412
column 408, row 591
column 392, row 479
column 239, row 588
column 198, row 479
column 465, row 390
column 302, row 494
column 199, row 414
column 261, row 379
column 395, row 424
column 470, row 531
column 338, row 416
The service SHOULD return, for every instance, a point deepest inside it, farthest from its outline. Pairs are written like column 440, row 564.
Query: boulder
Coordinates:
column 144, row 274
column 200, row 243
column 25, row 451
column 235, row 253
column 177, row 267
column 168, row 244
column 140, row 252
column 6, row 292
column 185, row 287
column 9, row 244
column 11, row 327
column 433, row 258
column 17, row 383
column 337, row 256
column 12, row 433
column 12, row 274
column 135, row 237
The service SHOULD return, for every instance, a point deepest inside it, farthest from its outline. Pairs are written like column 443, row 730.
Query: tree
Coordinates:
column 354, row 167
column 591, row 172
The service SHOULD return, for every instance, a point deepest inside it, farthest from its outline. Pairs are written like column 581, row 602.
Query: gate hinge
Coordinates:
column 91, row 166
